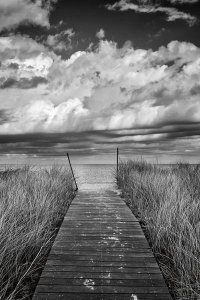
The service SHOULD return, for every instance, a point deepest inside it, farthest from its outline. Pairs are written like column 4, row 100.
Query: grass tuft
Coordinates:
column 167, row 203
column 33, row 203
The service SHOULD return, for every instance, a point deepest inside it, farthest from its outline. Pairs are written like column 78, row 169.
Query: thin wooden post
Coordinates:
column 117, row 162
column 72, row 172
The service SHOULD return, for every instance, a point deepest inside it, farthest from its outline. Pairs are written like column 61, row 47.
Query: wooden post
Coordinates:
column 117, row 162
column 72, row 172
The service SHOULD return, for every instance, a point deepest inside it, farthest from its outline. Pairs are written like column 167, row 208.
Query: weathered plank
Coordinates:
column 99, row 263
column 89, row 285
column 99, row 269
column 101, row 253
column 91, row 296
column 102, row 258
column 119, row 276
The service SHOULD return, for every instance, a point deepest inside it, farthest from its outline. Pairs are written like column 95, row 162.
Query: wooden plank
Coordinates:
column 99, row 289
column 101, row 253
column 113, row 252
column 99, row 257
column 100, row 263
column 110, row 234
column 102, row 281
column 101, row 242
column 121, row 225
column 80, row 296
column 89, row 287
column 106, row 247
column 109, row 237
column 118, row 276
column 104, row 269
column 117, row 251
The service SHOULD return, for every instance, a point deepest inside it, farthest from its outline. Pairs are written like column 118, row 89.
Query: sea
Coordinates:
column 95, row 176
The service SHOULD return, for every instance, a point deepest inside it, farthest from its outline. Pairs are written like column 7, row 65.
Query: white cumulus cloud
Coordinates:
column 61, row 41
column 110, row 88
column 16, row 12
column 100, row 34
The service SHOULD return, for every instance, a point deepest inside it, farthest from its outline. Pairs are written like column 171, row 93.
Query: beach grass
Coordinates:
column 33, row 202
column 167, row 203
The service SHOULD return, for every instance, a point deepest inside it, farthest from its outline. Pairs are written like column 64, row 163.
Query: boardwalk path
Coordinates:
column 101, row 253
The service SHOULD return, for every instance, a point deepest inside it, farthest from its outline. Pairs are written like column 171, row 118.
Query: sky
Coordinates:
column 86, row 77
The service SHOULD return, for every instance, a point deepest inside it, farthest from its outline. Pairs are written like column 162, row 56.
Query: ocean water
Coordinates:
column 95, row 177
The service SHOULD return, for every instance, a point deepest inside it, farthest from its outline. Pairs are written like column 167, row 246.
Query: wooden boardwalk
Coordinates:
column 101, row 253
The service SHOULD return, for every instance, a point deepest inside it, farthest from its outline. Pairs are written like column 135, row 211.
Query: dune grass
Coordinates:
column 33, row 203
column 167, row 202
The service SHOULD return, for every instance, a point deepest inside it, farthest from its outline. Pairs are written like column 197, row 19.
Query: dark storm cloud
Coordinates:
column 4, row 117
column 40, row 140
column 13, row 66
column 23, row 83
column 10, row 82
column 162, row 139
column 195, row 90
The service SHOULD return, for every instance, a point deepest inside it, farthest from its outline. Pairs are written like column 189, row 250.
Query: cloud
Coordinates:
column 182, row 142
column 44, row 116
column 19, row 47
column 3, row 116
column 172, row 13
column 183, row 1
column 24, row 62
column 100, row 34
column 133, row 97
column 143, row 2
column 17, row 12
column 61, row 41
column 23, row 83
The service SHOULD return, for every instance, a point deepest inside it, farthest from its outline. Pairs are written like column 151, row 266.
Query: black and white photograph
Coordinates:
column 99, row 149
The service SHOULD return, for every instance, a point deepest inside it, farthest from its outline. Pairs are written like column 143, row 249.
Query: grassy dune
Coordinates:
column 32, row 205
column 167, row 202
